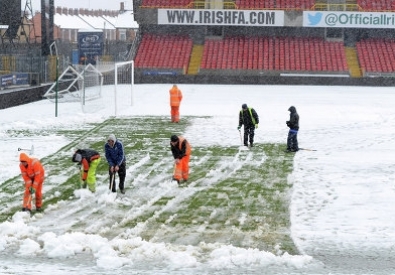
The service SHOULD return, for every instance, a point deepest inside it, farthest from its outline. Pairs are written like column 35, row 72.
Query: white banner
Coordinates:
column 339, row 19
column 221, row 17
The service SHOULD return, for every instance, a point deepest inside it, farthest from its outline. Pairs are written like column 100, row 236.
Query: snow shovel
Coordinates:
column 112, row 180
column 31, row 150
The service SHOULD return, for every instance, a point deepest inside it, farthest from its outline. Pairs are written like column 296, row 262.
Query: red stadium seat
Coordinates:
column 164, row 51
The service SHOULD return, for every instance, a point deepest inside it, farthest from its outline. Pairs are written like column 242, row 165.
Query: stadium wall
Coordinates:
column 16, row 97
column 264, row 80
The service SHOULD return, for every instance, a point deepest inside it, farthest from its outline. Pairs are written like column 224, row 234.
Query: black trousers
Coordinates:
column 249, row 132
column 292, row 140
column 121, row 175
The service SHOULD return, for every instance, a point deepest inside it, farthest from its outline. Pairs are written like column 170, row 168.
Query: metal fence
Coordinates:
column 43, row 66
column 23, row 59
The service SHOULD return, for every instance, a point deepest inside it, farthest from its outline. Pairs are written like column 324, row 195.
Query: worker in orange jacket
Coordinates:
column 33, row 175
column 181, row 150
column 175, row 102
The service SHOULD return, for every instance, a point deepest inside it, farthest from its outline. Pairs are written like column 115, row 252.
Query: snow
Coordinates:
column 343, row 193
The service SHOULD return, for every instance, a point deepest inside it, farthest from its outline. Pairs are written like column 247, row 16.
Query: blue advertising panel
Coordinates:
column 90, row 46
column 75, row 56
column 15, row 79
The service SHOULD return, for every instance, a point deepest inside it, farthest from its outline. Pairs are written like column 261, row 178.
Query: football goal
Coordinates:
column 77, row 84
column 84, row 84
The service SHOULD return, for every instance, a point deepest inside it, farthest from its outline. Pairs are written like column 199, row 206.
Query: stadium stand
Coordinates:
column 378, row 5
column 164, row 52
column 241, row 53
column 275, row 4
column 274, row 54
column 376, row 55
column 165, row 3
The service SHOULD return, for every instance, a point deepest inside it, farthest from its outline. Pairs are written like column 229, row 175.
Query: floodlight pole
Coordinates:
column 55, row 52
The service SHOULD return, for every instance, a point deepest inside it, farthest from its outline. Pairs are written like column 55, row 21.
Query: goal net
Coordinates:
column 84, row 84
column 78, row 83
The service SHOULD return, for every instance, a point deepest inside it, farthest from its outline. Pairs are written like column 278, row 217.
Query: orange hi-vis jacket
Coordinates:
column 33, row 174
column 175, row 96
column 188, row 148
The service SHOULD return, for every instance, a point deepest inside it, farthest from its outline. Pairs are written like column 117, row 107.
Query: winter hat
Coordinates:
column 112, row 137
column 23, row 157
column 244, row 106
column 174, row 138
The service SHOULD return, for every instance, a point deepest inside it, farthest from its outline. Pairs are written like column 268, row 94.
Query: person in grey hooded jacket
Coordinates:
column 116, row 159
column 293, row 124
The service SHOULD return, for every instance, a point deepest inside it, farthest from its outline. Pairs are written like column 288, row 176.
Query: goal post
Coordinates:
column 123, row 75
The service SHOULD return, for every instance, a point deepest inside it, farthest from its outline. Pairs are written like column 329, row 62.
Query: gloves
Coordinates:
column 288, row 123
column 256, row 126
column 238, row 128
column 32, row 190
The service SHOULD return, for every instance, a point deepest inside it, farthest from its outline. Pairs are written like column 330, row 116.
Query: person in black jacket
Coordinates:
column 249, row 118
column 181, row 150
column 293, row 124
column 89, row 160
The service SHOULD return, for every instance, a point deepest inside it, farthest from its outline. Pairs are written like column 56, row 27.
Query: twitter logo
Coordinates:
column 314, row 19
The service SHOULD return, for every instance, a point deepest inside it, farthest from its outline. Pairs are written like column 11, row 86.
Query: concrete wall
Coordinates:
column 265, row 80
column 15, row 97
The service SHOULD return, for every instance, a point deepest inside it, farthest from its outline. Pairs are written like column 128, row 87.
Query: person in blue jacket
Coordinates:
column 115, row 155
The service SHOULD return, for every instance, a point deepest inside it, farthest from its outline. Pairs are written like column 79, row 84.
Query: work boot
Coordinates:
column 38, row 209
column 174, row 179
column 123, row 191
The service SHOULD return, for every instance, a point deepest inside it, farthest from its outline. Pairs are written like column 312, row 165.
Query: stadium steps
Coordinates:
column 196, row 57
column 352, row 61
